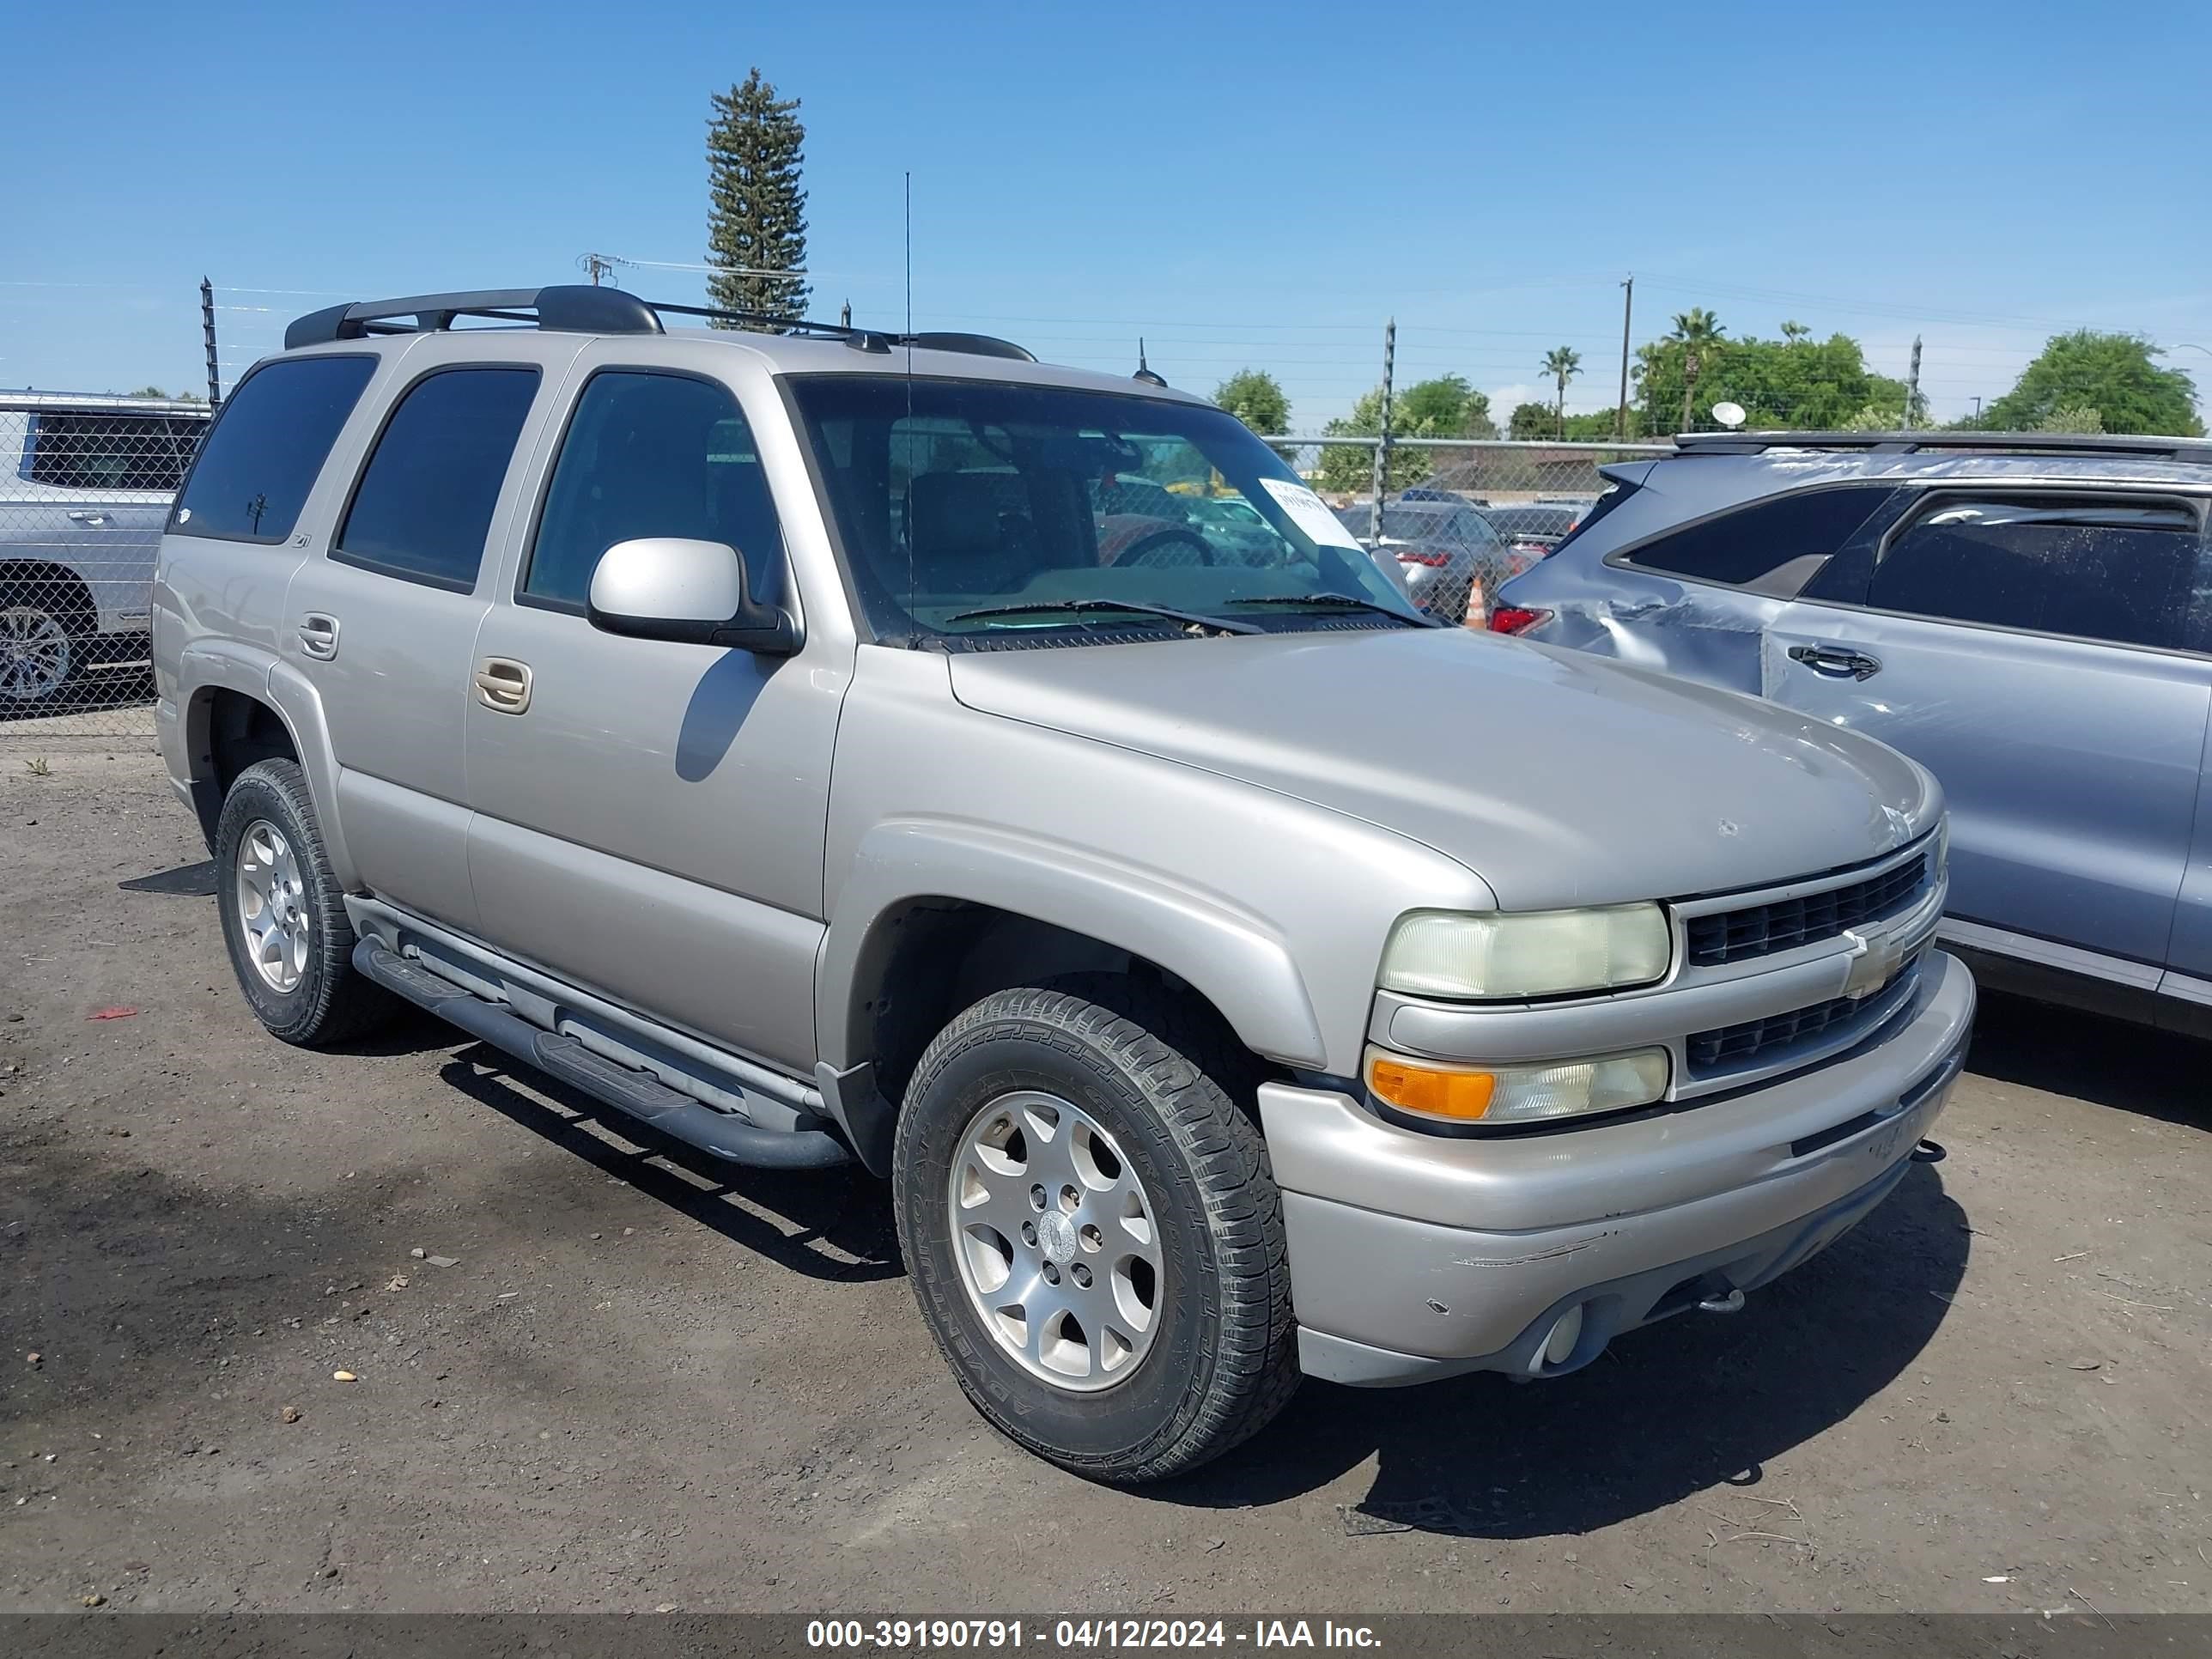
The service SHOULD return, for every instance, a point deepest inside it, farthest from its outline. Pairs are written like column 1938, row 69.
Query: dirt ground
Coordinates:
column 643, row 1386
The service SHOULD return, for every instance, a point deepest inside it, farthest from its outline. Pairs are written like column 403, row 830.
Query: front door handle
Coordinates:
column 318, row 635
column 503, row 684
column 1835, row 661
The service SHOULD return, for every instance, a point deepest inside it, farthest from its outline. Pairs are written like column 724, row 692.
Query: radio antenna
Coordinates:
column 910, row 251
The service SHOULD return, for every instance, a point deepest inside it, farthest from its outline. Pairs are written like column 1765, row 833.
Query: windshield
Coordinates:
column 968, row 509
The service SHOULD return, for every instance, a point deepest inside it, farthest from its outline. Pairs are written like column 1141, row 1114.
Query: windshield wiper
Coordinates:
column 1048, row 607
column 1342, row 602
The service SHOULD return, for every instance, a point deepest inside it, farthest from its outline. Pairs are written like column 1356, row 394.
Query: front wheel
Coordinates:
column 1093, row 1233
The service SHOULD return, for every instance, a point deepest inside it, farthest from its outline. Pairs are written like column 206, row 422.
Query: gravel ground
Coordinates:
column 644, row 1385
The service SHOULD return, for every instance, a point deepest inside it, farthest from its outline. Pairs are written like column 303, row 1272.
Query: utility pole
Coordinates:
column 1627, row 306
column 1912, row 385
column 1977, row 407
column 1382, row 449
column 207, row 333
column 845, row 315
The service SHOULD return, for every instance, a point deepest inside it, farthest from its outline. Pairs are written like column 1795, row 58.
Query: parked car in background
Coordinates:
column 1233, row 527
column 743, row 728
column 1534, row 530
column 2030, row 616
column 85, row 483
column 1448, row 552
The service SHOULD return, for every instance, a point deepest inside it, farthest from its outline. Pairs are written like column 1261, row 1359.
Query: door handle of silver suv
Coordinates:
column 1836, row 662
column 503, row 684
column 318, row 635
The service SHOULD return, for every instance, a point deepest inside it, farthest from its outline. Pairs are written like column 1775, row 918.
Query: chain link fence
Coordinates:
column 87, row 484
column 1459, row 516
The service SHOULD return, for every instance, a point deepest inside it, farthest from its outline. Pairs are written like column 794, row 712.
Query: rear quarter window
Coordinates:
column 260, row 461
column 1783, row 537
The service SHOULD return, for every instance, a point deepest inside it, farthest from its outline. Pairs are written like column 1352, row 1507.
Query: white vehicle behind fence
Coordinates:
column 87, row 484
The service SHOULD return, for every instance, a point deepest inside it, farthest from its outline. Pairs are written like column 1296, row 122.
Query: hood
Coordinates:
column 1560, row 778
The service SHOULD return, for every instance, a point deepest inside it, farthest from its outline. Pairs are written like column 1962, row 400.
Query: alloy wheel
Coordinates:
column 1057, row 1242
column 272, row 900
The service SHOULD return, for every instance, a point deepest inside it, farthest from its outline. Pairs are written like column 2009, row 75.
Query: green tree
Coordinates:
column 1531, row 422
column 1256, row 398
column 755, row 211
column 1698, row 332
column 2114, row 376
column 1598, row 427
column 1795, row 333
column 1562, row 363
column 1802, row 383
column 1445, row 407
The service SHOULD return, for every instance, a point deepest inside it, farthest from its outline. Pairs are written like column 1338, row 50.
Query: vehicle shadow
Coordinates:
column 2064, row 1051
column 1697, row 1402
column 826, row 1223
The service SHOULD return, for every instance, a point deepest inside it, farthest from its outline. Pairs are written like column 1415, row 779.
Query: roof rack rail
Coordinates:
column 581, row 308
column 1906, row 443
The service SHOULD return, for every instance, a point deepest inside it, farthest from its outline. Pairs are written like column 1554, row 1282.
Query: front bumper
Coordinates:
column 1415, row 1257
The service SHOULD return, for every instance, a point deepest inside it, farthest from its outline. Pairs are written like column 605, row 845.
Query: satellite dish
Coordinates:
column 1729, row 415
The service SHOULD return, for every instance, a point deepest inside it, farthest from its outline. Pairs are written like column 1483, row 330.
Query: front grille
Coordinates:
column 1760, row 930
column 1728, row 1047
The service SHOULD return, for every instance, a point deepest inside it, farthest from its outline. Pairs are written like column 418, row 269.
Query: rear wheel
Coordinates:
column 1093, row 1234
column 284, row 915
column 40, row 649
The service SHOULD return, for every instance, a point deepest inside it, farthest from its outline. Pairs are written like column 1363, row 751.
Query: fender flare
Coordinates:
column 208, row 666
column 1234, row 957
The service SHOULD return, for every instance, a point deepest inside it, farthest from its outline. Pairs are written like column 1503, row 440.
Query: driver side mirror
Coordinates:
column 690, row 593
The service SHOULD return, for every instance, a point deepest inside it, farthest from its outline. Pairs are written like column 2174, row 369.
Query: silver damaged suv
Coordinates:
column 782, row 737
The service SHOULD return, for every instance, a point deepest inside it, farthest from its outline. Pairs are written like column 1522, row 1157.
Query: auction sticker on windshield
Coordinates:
column 1310, row 514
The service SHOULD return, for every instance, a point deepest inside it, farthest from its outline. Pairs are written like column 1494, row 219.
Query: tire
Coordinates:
column 42, row 647
column 269, row 812
column 1215, row 1361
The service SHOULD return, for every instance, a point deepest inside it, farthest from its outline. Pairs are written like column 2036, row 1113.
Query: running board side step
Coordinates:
column 635, row 1093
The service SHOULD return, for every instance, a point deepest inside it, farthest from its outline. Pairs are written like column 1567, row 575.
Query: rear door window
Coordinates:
column 2119, row 569
column 260, row 461
column 1788, row 535
column 423, row 506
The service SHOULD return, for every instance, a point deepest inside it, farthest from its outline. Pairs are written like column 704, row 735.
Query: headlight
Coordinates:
column 1503, row 1096
column 1535, row 953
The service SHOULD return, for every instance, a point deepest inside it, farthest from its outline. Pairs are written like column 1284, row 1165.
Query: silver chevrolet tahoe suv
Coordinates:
column 783, row 738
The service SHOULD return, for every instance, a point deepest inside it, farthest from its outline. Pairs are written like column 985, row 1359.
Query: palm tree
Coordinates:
column 1698, row 332
column 1562, row 363
column 1795, row 332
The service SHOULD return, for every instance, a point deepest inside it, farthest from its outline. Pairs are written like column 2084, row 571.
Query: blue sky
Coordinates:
column 1240, row 184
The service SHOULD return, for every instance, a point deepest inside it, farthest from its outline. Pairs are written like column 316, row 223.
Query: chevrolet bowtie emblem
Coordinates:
column 1876, row 959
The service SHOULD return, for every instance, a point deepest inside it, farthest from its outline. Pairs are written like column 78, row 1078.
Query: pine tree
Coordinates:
column 755, row 214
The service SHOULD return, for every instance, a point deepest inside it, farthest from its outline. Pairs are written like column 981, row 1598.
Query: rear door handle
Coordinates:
column 1835, row 661
column 96, row 520
column 503, row 684
column 318, row 635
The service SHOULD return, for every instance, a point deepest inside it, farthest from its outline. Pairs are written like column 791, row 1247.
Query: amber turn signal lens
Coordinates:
column 1463, row 1095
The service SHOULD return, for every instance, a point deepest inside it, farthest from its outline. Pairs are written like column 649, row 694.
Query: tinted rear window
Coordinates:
column 1751, row 542
column 423, row 506
column 82, row 451
column 275, row 433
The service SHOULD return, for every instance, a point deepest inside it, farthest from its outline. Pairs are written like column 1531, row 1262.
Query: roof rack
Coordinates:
column 581, row 308
column 1906, row 443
